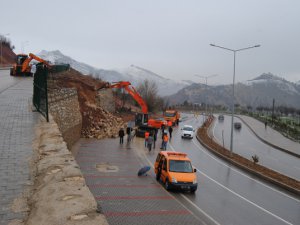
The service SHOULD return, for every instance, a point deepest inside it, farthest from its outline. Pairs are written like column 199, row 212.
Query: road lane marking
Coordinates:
column 209, row 154
column 192, row 203
column 238, row 195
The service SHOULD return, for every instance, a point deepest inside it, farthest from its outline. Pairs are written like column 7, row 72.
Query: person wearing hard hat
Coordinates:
column 146, row 138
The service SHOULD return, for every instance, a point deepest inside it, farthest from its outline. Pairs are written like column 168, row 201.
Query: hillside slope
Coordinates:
column 8, row 56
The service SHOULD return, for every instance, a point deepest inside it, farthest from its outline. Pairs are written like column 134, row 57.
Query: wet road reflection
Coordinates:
column 245, row 143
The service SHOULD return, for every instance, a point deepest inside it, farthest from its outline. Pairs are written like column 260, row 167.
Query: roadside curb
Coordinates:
column 267, row 142
column 269, row 179
column 59, row 194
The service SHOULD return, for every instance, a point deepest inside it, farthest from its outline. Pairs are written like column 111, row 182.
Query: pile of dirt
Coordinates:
column 96, row 121
column 8, row 56
column 273, row 176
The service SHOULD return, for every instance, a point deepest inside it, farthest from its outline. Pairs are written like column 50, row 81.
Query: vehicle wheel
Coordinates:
column 167, row 186
column 158, row 175
column 193, row 191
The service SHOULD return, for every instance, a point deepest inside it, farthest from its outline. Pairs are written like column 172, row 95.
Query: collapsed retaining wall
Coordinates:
column 70, row 99
column 105, row 100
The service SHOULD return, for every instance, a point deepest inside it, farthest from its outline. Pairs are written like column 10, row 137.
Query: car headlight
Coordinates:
column 195, row 181
column 174, row 180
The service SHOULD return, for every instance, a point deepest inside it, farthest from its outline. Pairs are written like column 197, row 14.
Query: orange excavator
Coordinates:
column 22, row 67
column 142, row 120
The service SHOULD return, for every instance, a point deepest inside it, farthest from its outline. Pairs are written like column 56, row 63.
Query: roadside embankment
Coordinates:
column 82, row 106
column 246, row 164
column 59, row 195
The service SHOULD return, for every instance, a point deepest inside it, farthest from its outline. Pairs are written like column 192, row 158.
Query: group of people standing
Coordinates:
column 150, row 137
column 122, row 134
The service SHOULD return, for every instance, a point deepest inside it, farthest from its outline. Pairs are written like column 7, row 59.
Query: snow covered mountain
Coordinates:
column 259, row 91
column 134, row 74
column 166, row 86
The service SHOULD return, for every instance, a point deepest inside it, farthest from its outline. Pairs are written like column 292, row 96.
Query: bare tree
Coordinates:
column 148, row 90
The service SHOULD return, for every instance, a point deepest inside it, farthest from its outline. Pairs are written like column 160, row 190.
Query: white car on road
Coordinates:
column 187, row 131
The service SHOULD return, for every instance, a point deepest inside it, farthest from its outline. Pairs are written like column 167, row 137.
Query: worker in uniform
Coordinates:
column 146, row 138
column 165, row 141
column 149, row 142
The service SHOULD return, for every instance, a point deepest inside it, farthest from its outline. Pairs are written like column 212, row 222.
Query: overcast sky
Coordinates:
column 168, row 37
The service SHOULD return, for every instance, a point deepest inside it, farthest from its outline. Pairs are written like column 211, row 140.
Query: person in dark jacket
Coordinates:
column 128, row 131
column 121, row 135
column 170, row 131
column 154, row 138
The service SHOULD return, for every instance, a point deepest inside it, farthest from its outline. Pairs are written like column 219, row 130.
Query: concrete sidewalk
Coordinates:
column 271, row 136
column 17, row 123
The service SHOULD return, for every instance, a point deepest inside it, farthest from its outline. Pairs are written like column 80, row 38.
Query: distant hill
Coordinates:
column 134, row 74
column 259, row 91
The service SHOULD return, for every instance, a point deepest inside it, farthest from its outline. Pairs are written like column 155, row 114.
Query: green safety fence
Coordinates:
column 40, row 90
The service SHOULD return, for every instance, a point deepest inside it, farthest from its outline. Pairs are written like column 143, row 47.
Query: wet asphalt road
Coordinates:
column 245, row 143
column 226, row 195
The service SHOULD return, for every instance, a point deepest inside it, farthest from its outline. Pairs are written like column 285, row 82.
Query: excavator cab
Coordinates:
column 21, row 58
column 141, row 119
column 17, row 68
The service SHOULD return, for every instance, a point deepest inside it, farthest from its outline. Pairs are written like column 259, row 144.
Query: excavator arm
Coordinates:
column 25, row 65
column 131, row 90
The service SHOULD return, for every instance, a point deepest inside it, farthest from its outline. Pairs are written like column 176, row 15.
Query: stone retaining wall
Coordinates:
column 65, row 109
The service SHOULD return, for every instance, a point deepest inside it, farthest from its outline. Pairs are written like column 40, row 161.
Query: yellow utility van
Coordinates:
column 175, row 170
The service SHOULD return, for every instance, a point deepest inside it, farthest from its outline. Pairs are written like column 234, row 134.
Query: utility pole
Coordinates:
column 206, row 77
column 273, row 111
column 232, row 107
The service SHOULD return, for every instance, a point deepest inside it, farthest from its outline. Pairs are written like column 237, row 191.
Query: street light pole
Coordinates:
column 23, row 44
column 232, row 109
column 206, row 77
column 1, row 47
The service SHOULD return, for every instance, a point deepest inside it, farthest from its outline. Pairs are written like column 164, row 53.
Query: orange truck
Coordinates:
column 172, row 116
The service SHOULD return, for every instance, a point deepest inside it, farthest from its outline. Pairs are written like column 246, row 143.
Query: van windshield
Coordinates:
column 180, row 166
column 169, row 114
column 188, row 128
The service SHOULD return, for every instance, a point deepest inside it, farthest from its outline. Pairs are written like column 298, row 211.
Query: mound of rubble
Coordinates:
column 96, row 121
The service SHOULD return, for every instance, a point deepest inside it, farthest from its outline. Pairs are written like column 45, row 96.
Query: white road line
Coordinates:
column 286, row 195
column 238, row 195
column 192, row 203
